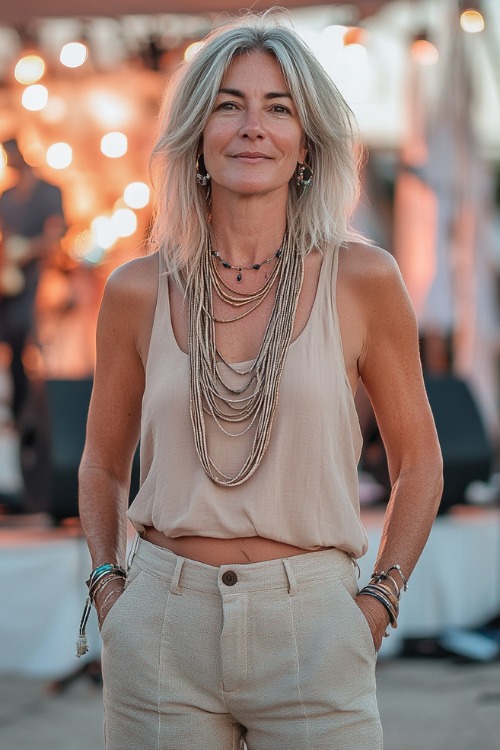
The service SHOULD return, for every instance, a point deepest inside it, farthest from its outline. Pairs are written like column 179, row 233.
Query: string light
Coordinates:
column 59, row 155
column 471, row 21
column 103, row 232
column 74, row 54
column 35, row 97
column 114, row 145
column 424, row 52
column 124, row 222
column 192, row 49
column 136, row 195
column 29, row 69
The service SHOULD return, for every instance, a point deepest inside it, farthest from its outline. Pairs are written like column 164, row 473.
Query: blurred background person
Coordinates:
column 31, row 223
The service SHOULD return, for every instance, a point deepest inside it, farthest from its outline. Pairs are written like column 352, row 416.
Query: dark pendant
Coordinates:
column 239, row 277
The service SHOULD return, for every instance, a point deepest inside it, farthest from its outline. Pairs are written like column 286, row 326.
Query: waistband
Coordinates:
column 287, row 572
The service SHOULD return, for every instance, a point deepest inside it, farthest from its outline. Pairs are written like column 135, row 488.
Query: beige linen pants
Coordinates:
column 275, row 654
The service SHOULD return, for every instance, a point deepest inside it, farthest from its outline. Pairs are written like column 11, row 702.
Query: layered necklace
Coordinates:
column 255, row 399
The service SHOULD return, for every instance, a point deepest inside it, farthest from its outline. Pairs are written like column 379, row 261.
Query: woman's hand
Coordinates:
column 106, row 598
column 376, row 615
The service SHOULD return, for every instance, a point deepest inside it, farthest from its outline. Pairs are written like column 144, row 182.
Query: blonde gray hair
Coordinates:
column 319, row 217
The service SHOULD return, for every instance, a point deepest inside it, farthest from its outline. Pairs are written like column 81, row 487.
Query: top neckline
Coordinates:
column 308, row 324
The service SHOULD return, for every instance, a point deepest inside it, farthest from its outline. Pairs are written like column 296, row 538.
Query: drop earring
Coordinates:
column 303, row 175
column 202, row 176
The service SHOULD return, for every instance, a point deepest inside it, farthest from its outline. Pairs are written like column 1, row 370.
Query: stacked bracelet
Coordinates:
column 386, row 598
column 98, row 580
column 385, row 575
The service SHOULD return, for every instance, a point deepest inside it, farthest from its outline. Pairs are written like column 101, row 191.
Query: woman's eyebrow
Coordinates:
column 269, row 95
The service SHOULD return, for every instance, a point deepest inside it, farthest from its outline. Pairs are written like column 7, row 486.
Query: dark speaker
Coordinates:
column 466, row 447
column 52, row 443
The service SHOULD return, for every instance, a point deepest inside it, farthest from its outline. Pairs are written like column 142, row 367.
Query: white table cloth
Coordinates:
column 43, row 572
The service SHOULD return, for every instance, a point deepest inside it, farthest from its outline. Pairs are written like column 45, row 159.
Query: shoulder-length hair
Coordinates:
column 317, row 218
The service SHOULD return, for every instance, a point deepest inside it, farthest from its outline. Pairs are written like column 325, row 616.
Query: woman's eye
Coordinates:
column 281, row 109
column 227, row 105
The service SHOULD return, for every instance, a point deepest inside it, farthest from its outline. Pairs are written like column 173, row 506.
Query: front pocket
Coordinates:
column 360, row 621
column 113, row 614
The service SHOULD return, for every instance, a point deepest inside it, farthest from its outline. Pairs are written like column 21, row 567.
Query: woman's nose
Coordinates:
column 252, row 125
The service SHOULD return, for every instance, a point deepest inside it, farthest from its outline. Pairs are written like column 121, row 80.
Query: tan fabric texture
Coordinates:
column 305, row 491
column 274, row 654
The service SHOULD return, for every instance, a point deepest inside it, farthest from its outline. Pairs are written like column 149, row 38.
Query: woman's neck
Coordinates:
column 248, row 231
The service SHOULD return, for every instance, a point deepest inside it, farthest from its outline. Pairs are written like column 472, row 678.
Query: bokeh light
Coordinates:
column 136, row 195
column 124, row 222
column 74, row 54
column 114, row 145
column 59, row 155
column 424, row 52
column 472, row 21
column 35, row 97
column 29, row 69
column 103, row 232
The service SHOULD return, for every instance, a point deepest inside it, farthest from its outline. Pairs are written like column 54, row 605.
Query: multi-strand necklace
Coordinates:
column 255, row 399
column 254, row 267
column 237, row 299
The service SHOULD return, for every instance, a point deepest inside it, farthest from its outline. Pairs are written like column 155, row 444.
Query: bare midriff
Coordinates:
column 217, row 552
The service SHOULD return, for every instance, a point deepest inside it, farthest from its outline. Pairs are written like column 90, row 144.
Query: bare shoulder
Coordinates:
column 129, row 302
column 135, row 281
column 367, row 265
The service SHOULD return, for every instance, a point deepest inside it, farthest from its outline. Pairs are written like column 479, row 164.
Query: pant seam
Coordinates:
column 304, row 717
column 160, row 657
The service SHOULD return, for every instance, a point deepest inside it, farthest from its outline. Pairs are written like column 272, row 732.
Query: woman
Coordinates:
column 235, row 351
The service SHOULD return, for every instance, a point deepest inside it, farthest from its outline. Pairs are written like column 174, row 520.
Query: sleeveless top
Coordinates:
column 305, row 491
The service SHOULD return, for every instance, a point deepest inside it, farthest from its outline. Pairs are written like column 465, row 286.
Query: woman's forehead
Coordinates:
column 256, row 67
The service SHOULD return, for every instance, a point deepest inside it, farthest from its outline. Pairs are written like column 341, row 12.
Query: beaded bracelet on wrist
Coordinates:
column 98, row 579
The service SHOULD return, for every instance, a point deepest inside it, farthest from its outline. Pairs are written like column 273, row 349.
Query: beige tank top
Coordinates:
column 305, row 491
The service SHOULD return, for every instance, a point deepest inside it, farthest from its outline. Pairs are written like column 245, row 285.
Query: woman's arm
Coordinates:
column 390, row 369
column 123, row 330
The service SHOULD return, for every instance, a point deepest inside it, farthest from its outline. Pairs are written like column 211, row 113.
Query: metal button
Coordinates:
column 229, row 577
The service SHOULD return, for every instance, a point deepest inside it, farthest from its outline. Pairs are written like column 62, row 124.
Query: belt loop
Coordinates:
column 290, row 574
column 174, row 583
column 133, row 550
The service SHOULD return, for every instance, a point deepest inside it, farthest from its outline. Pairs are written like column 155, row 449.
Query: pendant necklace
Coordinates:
column 255, row 267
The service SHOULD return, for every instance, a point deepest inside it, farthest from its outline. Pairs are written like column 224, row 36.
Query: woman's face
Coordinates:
column 253, row 139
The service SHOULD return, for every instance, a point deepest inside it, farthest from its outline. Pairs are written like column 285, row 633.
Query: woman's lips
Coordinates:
column 251, row 156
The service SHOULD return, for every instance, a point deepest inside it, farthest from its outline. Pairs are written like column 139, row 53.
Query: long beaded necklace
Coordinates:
column 257, row 406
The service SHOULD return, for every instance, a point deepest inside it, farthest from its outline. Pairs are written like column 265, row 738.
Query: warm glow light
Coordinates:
column 34, row 153
column 114, row 145
column 355, row 35
column 35, row 97
column 3, row 159
column 109, row 110
column 124, row 222
column 59, row 155
column 29, row 69
column 73, row 54
column 136, row 195
column 472, row 21
column 356, row 55
column 424, row 52
column 56, row 110
column 192, row 50
column 103, row 232
column 84, row 248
